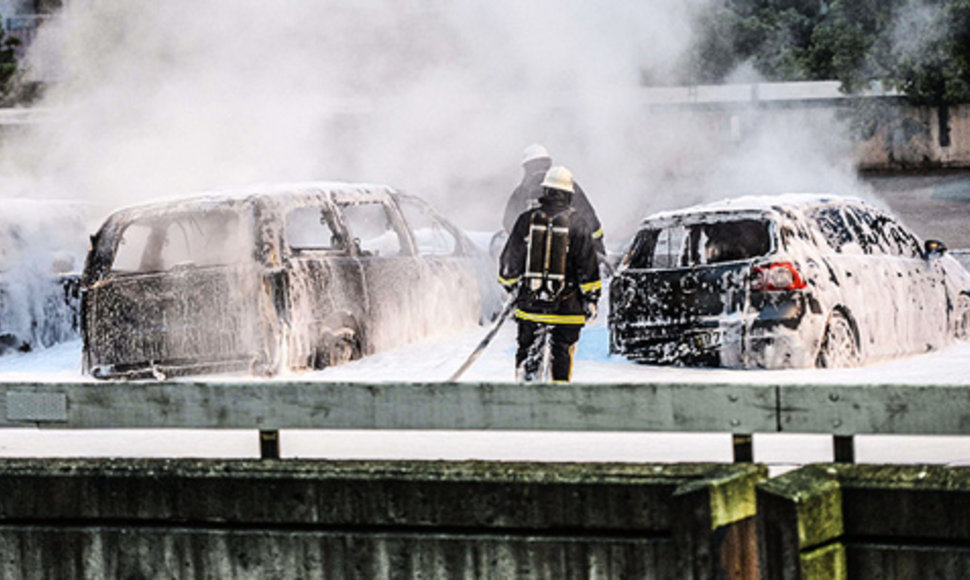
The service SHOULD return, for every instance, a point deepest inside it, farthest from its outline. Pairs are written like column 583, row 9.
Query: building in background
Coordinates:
column 22, row 18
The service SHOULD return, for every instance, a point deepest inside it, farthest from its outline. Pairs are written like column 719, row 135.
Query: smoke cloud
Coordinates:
column 437, row 98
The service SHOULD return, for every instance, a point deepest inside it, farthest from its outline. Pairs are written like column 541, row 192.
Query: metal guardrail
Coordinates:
column 839, row 410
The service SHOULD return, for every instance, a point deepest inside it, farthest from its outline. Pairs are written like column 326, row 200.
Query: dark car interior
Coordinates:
column 682, row 246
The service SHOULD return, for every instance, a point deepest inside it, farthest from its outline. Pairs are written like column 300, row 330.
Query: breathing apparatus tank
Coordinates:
column 547, row 248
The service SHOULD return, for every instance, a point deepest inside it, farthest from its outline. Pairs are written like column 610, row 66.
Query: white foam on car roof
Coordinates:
column 216, row 196
column 757, row 203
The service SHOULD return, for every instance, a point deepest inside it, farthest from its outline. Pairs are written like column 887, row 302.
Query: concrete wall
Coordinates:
column 910, row 137
column 866, row 521
column 905, row 137
column 150, row 518
column 901, row 136
column 97, row 518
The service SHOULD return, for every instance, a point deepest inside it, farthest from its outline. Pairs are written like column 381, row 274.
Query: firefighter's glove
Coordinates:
column 591, row 311
column 512, row 289
column 514, row 292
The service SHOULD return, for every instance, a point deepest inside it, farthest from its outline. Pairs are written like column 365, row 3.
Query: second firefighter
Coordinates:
column 550, row 261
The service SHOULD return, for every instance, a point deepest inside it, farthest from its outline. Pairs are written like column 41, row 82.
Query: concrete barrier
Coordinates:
column 140, row 518
column 866, row 521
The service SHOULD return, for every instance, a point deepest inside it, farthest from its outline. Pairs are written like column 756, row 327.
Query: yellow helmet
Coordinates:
column 560, row 178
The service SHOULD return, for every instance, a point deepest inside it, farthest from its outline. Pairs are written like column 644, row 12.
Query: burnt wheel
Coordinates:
column 340, row 347
column 345, row 347
column 840, row 346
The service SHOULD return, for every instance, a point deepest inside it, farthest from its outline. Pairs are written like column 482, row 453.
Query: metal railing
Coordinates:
column 742, row 410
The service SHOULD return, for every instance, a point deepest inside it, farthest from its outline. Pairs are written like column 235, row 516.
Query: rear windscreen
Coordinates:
column 212, row 238
column 684, row 245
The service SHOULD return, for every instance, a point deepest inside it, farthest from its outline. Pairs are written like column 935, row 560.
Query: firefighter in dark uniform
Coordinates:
column 535, row 163
column 550, row 261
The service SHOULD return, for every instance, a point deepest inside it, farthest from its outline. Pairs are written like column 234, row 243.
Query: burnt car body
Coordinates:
column 795, row 280
column 273, row 278
column 42, row 245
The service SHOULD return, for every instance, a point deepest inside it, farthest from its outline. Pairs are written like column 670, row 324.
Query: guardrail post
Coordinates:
column 743, row 448
column 269, row 444
column 843, row 447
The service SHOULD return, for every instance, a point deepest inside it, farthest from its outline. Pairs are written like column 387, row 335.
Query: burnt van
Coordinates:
column 274, row 278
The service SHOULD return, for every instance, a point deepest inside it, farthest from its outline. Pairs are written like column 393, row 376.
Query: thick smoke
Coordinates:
column 917, row 26
column 438, row 98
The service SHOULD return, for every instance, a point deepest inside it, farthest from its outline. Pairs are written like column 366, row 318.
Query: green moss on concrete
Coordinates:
column 479, row 471
column 922, row 477
column 492, row 495
column 825, row 563
column 733, row 495
column 732, row 491
column 816, row 497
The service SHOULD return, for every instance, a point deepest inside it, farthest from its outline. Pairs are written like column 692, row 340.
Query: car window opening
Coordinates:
column 197, row 240
column 687, row 245
column 431, row 237
column 833, row 227
column 372, row 230
column 312, row 228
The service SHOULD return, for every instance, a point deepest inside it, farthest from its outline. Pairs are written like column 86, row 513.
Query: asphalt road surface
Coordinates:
column 936, row 205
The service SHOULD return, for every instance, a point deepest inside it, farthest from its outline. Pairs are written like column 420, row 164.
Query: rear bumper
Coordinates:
column 782, row 332
column 711, row 343
column 779, row 349
column 166, row 369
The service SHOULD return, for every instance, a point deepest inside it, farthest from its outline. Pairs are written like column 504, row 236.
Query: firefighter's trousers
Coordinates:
column 532, row 339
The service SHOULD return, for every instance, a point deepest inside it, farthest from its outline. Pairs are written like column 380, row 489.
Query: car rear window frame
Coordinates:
column 167, row 220
column 692, row 236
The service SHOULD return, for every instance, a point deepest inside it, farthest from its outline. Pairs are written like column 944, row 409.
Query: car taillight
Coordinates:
column 775, row 277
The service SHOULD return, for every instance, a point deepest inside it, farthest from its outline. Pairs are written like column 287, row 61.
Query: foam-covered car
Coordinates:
column 42, row 246
column 273, row 278
column 795, row 280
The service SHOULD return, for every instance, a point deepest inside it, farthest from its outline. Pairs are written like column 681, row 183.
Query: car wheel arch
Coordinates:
column 843, row 312
column 961, row 324
column 341, row 331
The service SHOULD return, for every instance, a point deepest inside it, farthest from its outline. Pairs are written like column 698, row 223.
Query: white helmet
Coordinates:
column 533, row 152
column 560, row 178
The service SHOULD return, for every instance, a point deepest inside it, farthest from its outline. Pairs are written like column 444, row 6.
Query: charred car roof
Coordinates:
column 275, row 197
column 280, row 195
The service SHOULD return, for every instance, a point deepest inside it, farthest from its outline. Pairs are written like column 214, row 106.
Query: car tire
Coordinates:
column 345, row 347
column 340, row 347
column 840, row 344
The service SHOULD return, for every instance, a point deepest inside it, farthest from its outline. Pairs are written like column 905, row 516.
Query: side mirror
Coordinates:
column 934, row 248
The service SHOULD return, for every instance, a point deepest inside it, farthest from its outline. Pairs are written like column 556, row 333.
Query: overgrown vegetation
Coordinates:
column 8, row 63
column 919, row 47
